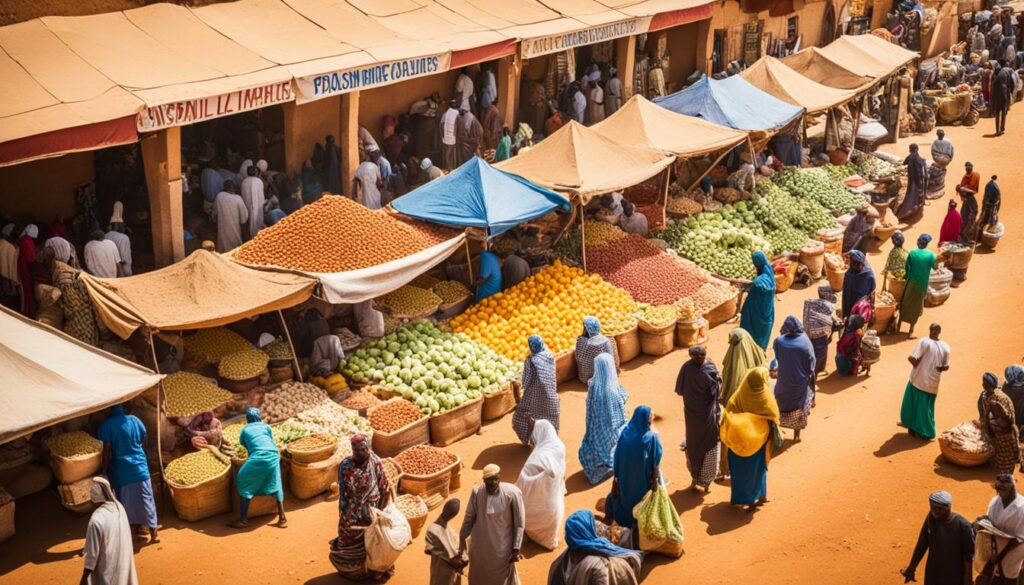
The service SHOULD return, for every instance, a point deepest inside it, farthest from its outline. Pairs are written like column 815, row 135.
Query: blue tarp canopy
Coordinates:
column 731, row 102
column 479, row 195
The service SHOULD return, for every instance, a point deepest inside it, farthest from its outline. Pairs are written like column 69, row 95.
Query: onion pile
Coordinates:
column 645, row 271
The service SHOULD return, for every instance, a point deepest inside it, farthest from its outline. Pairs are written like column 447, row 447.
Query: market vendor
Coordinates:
column 858, row 283
column 260, row 475
column 124, row 459
column 362, row 486
column 203, row 429
column 917, row 180
column 370, row 321
column 327, row 352
column 942, row 149
column 855, row 236
column 489, row 282
column 514, row 270
column 632, row 222
column 589, row 345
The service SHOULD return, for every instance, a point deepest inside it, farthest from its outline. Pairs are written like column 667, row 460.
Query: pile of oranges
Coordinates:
column 551, row 303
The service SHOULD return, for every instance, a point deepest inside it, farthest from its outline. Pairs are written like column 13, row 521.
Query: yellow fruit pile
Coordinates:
column 617, row 324
column 598, row 233
column 188, row 394
column 687, row 310
column 74, row 444
column 409, row 300
column 450, row 291
column 278, row 350
column 243, row 365
column 551, row 303
column 658, row 315
column 213, row 344
column 195, row 468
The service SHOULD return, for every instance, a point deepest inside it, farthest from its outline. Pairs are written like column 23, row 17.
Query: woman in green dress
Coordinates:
column 919, row 267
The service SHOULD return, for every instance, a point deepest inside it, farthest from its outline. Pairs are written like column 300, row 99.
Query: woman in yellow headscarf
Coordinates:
column 749, row 423
column 743, row 354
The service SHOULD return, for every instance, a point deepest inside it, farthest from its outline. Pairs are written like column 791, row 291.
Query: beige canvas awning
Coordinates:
column 203, row 290
column 49, row 377
column 772, row 76
column 640, row 122
column 580, row 160
column 815, row 65
column 868, row 55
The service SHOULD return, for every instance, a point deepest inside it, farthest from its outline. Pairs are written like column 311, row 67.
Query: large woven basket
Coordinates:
column 627, row 345
column 307, row 481
column 312, row 455
column 433, row 488
column 393, row 443
column 498, row 404
column 660, row 342
column 456, row 423
column 209, row 498
column 964, row 458
column 565, row 366
column 416, row 522
column 72, row 469
column 723, row 312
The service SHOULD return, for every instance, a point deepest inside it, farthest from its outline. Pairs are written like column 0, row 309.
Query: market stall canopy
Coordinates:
column 732, row 102
column 643, row 123
column 49, row 377
column 478, row 195
column 774, row 77
column 868, row 55
column 815, row 65
column 203, row 290
column 108, row 76
column 583, row 161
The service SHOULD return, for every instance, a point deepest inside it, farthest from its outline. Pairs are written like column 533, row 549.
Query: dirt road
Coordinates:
column 846, row 502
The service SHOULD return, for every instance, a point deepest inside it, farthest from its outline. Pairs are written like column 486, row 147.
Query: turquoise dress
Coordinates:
column 490, row 272
column 261, row 473
column 758, row 314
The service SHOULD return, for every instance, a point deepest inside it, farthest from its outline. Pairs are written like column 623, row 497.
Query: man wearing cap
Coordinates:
column 949, row 540
column 1006, row 514
column 495, row 520
column 430, row 170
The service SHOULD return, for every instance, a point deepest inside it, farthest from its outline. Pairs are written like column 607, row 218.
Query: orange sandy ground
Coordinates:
column 847, row 502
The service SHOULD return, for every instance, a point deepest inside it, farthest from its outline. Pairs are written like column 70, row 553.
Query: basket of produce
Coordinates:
column 871, row 347
column 6, row 516
column 414, row 509
column 885, row 310
column 835, row 270
column 565, row 366
column 723, row 312
column 397, row 425
column 455, row 297
column 785, row 273
column 655, row 319
column 241, row 371
column 682, row 206
column 895, row 283
column 75, row 456
column 261, row 505
column 361, row 401
column 456, row 423
column 691, row 332
column 208, row 346
column 812, row 255
column 966, row 445
column 832, row 238
column 188, row 394
column 289, row 399
column 75, row 496
column 957, row 256
column 428, row 472
column 991, row 235
column 279, row 352
column 392, row 470
column 200, row 484
column 312, row 448
column 308, row 480
column 409, row 302
column 622, row 328
column 498, row 404
column 285, row 373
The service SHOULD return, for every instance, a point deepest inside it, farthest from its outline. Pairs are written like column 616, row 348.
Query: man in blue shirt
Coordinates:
column 490, row 276
column 124, row 458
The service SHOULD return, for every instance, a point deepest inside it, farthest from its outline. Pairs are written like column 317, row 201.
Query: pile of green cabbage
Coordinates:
column 434, row 369
column 817, row 184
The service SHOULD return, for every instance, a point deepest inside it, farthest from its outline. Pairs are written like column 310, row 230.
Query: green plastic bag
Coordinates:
column 658, row 525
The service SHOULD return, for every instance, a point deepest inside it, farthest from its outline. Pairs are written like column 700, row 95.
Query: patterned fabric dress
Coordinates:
column 606, row 416
column 998, row 418
column 79, row 314
column 540, row 394
column 588, row 348
column 361, row 487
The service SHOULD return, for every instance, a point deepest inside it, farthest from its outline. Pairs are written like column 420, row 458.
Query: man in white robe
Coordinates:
column 108, row 551
column 464, row 90
column 1006, row 512
column 254, row 199
column 366, row 184
column 495, row 521
column 231, row 214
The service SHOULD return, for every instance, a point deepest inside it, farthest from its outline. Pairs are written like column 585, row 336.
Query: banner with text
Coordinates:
column 315, row 87
column 202, row 109
column 578, row 38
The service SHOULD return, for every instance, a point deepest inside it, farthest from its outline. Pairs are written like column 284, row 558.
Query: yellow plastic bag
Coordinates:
column 658, row 525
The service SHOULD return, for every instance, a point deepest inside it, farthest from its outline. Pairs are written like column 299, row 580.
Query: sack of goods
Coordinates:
column 966, row 445
column 387, row 536
column 658, row 522
column 939, row 286
column 871, row 346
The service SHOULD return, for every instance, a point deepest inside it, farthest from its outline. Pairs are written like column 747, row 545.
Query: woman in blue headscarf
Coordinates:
column 758, row 313
column 606, row 416
column 540, row 390
column 637, row 467
column 794, row 388
column 590, row 558
column 858, row 283
column 589, row 345
column 260, row 475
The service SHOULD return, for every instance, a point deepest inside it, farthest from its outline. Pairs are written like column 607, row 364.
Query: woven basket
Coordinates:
column 283, row 373
column 312, row 456
column 413, row 316
column 627, row 345
column 989, row 240
column 498, row 404
column 209, row 498
column 72, row 469
column 959, row 260
column 240, row 386
column 895, row 286
column 416, row 522
column 565, row 366
column 835, row 278
column 723, row 312
column 398, row 473
column 659, row 343
column 393, row 443
column 883, row 233
column 449, row 310
column 308, row 481
column 691, row 333
column 964, row 458
column 433, row 488
column 456, row 423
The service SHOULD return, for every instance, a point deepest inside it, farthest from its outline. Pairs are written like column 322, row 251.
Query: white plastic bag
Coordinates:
column 387, row 536
column 542, row 481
